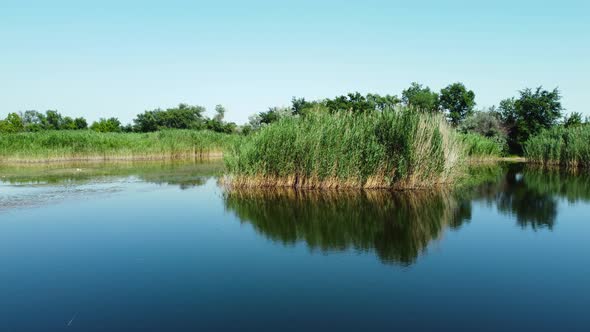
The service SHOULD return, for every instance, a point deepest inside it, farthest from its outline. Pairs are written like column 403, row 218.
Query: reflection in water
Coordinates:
column 185, row 174
column 42, row 184
column 397, row 226
column 532, row 194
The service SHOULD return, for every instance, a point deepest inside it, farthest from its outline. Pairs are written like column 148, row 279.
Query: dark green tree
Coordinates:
column 54, row 120
column 80, row 123
column 532, row 112
column 111, row 125
column 573, row 120
column 457, row 101
column 12, row 124
column 421, row 98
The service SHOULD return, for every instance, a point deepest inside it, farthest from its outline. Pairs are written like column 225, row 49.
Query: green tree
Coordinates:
column 110, row 125
column 421, row 98
column 54, row 120
column 80, row 123
column 12, row 124
column 532, row 112
column 457, row 101
column 182, row 117
column 33, row 120
column 68, row 124
column 573, row 120
column 219, row 113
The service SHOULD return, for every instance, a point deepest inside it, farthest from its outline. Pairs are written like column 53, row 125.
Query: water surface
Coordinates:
column 161, row 247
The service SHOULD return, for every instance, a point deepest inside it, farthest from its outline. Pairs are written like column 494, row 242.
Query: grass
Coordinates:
column 396, row 149
column 568, row 147
column 90, row 145
column 481, row 147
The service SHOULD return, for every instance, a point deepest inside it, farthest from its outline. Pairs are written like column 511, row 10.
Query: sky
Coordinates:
column 120, row 58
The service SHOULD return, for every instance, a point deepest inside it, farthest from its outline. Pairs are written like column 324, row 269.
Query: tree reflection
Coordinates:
column 397, row 226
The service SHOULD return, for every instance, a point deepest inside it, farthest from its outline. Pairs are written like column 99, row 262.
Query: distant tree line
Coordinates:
column 511, row 123
column 182, row 117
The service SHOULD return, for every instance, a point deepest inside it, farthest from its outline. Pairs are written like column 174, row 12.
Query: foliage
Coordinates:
column 572, row 120
column 357, row 103
column 479, row 146
column 182, row 117
column 560, row 146
column 486, row 124
column 421, row 98
column 457, row 101
column 391, row 149
column 111, row 125
column 528, row 115
column 90, row 145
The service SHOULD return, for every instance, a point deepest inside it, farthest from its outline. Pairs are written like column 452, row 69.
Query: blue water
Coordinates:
column 126, row 252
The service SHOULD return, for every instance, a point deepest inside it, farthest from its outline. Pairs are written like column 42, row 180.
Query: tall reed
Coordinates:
column 90, row 145
column 569, row 147
column 395, row 149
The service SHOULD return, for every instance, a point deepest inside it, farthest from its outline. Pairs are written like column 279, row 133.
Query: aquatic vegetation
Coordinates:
column 562, row 146
column 398, row 226
column 90, row 145
column 481, row 147
column 393, row 149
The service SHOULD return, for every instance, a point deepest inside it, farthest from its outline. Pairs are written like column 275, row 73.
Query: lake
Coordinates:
column 163, row 247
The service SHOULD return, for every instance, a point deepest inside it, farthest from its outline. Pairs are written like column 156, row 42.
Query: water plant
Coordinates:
column 561, row 146
column 394, row 148
column 89, row 145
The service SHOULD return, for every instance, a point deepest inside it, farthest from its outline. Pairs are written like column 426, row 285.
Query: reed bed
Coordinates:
column 395, row 149
column 89, row 145
column 568, row 147
column 478, row 147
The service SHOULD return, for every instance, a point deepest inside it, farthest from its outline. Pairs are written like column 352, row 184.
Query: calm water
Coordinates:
column 160, row 247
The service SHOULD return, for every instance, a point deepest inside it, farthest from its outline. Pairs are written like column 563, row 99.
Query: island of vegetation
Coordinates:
column 420, row 139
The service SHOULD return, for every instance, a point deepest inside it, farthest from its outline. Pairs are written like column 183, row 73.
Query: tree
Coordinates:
column 573, row 120
column 219, row 113
column 12, row 124
column 33, row 120
column 382, row 103
column 532, row 112
column 182, row 117
column 106, row 125
column 420, row 98
column 68, row 124
column 80, row 123
column 54, row 120
column 457, row 101
column 486, row 123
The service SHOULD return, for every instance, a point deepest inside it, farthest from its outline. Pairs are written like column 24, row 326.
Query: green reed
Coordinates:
column 569, row 147
column 395, row 149
column 90, row 145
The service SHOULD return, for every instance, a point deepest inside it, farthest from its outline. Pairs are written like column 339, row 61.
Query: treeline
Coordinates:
column 181, row 117
column 509, row 125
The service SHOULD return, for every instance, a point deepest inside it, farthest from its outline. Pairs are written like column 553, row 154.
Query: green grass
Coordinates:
column 569, row 147
column 90, row 145
column 397, row 149
column 480, row 147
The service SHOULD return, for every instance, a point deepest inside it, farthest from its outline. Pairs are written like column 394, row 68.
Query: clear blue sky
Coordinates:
column 119, row 58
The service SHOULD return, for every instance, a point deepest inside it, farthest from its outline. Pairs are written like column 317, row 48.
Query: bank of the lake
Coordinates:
column 87, row 145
